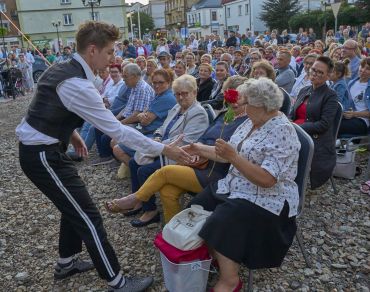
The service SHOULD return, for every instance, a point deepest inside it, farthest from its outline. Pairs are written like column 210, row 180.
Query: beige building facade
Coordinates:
column 36, row 19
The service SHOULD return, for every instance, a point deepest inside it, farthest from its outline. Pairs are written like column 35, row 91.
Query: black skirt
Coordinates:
column 245, row 232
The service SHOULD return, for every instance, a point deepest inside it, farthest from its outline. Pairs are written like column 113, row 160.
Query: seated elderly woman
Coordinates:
column 185, row 123
column 172, row 181
column 205, row 82
column 315, row 110
column 265, row 69
column 254, row 206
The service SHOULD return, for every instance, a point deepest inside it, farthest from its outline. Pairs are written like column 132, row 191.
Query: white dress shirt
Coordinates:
column 82, row 98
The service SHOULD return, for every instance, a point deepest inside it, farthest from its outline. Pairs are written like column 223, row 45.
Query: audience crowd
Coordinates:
column 164, row 91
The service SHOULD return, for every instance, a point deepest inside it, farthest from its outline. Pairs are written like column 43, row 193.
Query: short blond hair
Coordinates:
column 185, row 81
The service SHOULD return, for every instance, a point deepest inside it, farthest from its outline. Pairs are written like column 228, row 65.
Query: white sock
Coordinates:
column 65, row 263
column 118, row 281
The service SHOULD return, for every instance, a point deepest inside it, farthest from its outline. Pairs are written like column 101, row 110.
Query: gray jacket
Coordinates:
column 192, row 124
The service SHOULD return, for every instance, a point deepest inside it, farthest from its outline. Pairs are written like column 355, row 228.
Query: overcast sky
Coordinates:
column 133, row 1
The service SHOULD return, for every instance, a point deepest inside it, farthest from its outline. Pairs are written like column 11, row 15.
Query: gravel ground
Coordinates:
column 336, row 231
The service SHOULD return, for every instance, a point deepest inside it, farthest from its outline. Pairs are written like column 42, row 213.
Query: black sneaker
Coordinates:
column 134, row 284
column 78, row 266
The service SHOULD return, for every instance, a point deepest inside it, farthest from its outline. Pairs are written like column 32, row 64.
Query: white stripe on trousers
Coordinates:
column 79, row 211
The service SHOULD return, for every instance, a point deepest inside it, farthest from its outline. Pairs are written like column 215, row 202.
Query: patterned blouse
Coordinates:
column 275, row 147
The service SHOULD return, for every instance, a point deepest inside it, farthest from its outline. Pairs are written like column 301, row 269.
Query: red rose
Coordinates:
column 231, row 96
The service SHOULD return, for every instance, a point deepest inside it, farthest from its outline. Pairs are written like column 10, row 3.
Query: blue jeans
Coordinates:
column 103, row 144
column 87, row 133
column 139, row 174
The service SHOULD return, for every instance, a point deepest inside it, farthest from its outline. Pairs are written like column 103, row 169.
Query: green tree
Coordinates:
column 146, row 22
column 276, row 13
column 3, row 31
column 364, row 7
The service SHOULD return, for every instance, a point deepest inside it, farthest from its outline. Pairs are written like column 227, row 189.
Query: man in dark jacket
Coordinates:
column 231, row 41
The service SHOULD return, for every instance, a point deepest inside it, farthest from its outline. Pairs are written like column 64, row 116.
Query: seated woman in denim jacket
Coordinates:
column 172, row 181
column 356, row 116
column 186, row 122
column 339, row 84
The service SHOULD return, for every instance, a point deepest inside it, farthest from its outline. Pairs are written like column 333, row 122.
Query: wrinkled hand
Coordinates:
column 225, row 150
column 143, row 117
column 193, row 149
column 174, row 152
column 79, row 145
column 349, row 115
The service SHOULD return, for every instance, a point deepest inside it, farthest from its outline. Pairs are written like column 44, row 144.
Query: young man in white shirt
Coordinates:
column 65, row 97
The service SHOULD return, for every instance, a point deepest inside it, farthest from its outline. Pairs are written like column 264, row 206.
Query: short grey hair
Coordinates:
column 185, row 81
column 132, row 69
column 262, row 92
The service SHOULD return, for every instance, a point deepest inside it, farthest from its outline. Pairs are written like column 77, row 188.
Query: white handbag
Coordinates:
column 182, row 230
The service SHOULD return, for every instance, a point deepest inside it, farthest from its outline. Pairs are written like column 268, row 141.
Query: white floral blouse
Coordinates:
column 275, row 147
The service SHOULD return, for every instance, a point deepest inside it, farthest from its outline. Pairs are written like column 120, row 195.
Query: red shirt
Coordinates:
column 300, row 114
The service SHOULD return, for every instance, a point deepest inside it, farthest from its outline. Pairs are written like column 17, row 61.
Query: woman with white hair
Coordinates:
column 254, row 206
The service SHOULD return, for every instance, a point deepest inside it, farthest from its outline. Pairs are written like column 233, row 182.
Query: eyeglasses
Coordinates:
column 308, row 63
column 158, row 82
column 316, row 72
column 183, row 94
column 125, row 76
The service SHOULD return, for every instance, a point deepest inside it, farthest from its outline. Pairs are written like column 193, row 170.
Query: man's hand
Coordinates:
column 79, row 145
column 225, row 150
column 174, row 152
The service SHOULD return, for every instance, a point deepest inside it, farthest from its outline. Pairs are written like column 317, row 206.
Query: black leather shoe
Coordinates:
column 139, row 223
column 134, row 284
column 133, row 212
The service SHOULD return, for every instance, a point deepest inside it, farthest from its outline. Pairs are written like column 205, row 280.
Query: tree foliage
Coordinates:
column 146, row 22
column 276, row 13
column 347, row 15
column 3, row 31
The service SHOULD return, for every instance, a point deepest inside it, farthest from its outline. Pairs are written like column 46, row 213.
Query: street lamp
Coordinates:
column 56, row 25
column 92, row 4
column 179, row 28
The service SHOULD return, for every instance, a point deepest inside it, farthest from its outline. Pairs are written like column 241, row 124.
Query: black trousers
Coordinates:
column 354, row 126
column 54, row 174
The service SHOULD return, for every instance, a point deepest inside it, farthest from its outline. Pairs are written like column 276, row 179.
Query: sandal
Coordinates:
column 112, row 207
column 365, row 187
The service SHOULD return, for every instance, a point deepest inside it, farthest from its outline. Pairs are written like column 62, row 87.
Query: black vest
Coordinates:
column 46, row 113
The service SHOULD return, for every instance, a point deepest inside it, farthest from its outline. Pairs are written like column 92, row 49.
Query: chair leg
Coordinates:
column 250, row 281
column 333, row 185
column 301, row 247
column 367, row 169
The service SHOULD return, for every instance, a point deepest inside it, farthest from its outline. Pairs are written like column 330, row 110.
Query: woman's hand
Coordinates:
column 79, row 145
column 349, row 115
column 193, row 149
column 225, row 150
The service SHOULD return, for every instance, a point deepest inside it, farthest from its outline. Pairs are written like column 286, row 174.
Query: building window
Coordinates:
column 228, row 13
column 214, row 16
column 95, row 15
column 199, row 18
column 246, row 9
column 67, row 19
column 239, row 10
column 3, row 7
column 63, row 2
